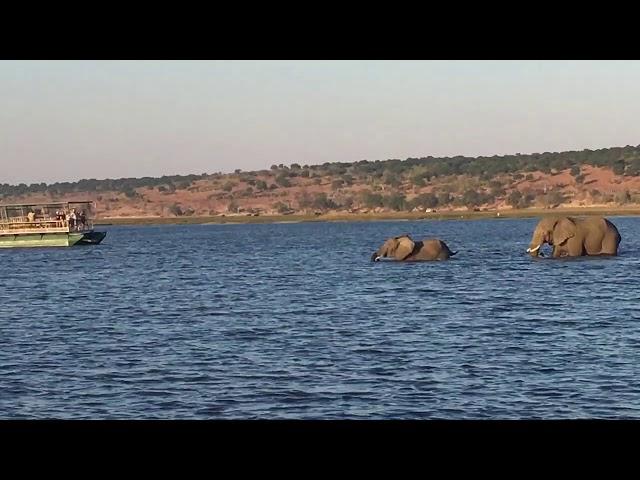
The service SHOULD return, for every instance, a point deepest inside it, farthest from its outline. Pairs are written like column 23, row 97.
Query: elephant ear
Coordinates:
column 564, row 229
column 405, row 247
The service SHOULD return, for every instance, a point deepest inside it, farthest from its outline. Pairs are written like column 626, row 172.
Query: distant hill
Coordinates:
column 589, row 177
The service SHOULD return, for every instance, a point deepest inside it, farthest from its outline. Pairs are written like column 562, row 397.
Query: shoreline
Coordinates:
column 370, row 217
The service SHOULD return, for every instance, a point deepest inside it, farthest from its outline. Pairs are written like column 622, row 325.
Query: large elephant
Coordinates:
column 403, row 248
column 574, row 237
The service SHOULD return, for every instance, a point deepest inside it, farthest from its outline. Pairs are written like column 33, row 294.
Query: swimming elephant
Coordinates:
column 574, row 237
column 403, row 248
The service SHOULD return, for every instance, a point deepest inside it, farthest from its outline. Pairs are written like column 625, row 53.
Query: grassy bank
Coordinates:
column 367, row 217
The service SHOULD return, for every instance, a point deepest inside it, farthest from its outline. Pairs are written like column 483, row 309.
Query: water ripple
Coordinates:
column 294, row 321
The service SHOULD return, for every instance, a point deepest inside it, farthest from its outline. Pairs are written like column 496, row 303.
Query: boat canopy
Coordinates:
column 46, row 210
column 47, row 217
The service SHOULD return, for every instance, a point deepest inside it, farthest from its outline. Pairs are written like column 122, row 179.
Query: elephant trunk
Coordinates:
column 375, row 257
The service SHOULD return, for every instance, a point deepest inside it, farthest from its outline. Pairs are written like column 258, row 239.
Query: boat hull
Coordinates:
column 51, row 239
column 91, row 238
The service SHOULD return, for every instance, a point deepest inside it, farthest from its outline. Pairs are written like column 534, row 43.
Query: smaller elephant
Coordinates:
column 404, row 248
column 575, row 237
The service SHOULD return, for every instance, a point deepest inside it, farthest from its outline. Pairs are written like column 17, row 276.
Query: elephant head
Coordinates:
column 397, row 247
column 554, row 231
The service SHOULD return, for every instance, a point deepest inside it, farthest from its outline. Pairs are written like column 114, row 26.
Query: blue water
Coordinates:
column 294, row 321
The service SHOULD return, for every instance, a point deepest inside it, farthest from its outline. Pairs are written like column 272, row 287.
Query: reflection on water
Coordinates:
column 295, row 321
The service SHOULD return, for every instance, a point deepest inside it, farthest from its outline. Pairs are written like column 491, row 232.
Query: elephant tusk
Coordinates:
column 377, row 259
column 531, row 250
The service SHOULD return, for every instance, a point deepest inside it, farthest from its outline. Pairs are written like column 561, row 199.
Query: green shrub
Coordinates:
column 283, row 180
column 175, row 209
column 322, row 202
column 371, row 200
column 425, row 200
column 395, row 201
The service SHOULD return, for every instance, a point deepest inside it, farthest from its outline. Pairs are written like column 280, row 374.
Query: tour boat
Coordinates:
column 62, row 224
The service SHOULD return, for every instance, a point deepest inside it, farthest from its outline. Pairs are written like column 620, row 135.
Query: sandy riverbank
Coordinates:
column 361, row 217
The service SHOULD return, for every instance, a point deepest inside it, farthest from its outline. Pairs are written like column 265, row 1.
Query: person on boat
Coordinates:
column 72, row 219
column 83, row 219
column 31, row 216
column 60, row 218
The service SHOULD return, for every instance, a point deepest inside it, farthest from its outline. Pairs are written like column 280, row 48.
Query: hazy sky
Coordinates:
column 67, row 120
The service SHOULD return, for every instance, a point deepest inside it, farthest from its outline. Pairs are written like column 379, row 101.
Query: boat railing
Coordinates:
column 20, row 225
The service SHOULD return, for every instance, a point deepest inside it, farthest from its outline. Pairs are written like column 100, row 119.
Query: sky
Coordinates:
column 69, row 120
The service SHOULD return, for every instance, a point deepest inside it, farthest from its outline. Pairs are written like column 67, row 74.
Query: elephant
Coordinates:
column 404, row 248
column 575, row 237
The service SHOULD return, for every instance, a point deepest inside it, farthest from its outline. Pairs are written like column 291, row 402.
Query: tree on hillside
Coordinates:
column 395, row 201
column 283, row 180
column 622, row 198
column 444, row 198
column 392, row 180
column 130, row 193
column 322, row 202
column 513, row 199
column 471, row 198
column 418, row 181
column 527, row 200
column 633, row 168
column 575, row 170
column 497, row 189
column 425, row 200
column 304, row 199
column 517, row 199
column 281, row 208
column 370, row 199
column 347, row 179
column 346, row 201
column 618, row 167
column 175, row 209
column 233, row 206
column 553, row 198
